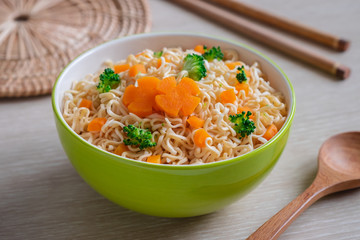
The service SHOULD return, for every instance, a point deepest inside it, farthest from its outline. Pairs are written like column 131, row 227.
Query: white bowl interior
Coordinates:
column 91, row 61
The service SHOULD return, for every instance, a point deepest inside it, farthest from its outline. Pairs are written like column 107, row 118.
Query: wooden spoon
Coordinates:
column 339, row 169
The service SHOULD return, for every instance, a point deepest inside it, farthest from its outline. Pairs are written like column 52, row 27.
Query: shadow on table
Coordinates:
column 58, row 204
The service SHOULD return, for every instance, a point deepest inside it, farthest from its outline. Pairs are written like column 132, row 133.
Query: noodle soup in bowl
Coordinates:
column 173, row 187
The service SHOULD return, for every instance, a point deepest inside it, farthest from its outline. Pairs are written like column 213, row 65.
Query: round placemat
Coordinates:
column 39, row 37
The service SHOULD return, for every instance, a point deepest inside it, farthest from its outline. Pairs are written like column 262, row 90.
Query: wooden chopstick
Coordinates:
column 285, row 24
column 265, row 36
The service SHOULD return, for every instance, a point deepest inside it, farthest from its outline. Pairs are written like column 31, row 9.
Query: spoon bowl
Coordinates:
column 341, row 153
column 339, row 169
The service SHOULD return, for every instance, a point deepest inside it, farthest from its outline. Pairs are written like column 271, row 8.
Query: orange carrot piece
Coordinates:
column 120, row 149
column 154, row 159
column 85, row 103
column 189, row 85
column 96, row 124
column 129, row 95
column 142, row 99
column 232, row 65
column 200, row 137
column 166, row 85
column 246, row 109
column 270, row 132
column 148, row 83
column 195, row 122
column 147, row 90
column 177, row 98
column 228, row 96
column 135, row 69
column 243, row 86
column 199, row 49
column 141, row 109
column 156, row 107
column 158, row 63
column 189, row 105
column 121, row 68
column 143, row 96
column 169, row 103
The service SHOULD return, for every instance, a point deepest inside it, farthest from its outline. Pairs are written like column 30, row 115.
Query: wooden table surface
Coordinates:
column 42, row 196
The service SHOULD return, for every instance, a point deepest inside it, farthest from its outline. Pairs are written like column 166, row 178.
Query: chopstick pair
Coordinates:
column 264, row 35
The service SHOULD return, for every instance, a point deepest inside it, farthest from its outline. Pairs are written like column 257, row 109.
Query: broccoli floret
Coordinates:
column 138, row 137
column 108, row 80
column 242, row 125
column 158, row 54
column 213, row 53
column 241, row 76
column 195, row 66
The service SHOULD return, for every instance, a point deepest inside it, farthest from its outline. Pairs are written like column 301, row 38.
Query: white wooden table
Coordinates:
column 42, row 197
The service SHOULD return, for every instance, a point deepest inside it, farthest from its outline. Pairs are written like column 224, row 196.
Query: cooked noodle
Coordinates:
column 173, row 136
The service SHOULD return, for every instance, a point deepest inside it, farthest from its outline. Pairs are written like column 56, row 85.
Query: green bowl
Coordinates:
column 167, row 190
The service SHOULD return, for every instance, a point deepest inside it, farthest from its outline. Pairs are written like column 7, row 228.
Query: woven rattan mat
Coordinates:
column 39, row 37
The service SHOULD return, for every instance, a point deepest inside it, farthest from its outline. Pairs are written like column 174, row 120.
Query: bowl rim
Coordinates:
column 284, row 128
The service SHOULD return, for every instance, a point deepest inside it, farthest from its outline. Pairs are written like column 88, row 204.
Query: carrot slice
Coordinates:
column 177, row 98
column 121, row 68
column 96, row 124
column 135, row 69
column 189, row 85
column 120, row 149
column 141, row 109
column 232, row 65
column 246, row 109
column 166, row 85
column 189, row 105
column 147, row 90
column 169, row 103
column 200, row 137
column 142, row 96
column 270, row 132
column 129, row 95
column 148, row 83
column 158, row 63
column 85, row 103
column 199, row 49
column 228, row 96
column 243, row 86
column 154, row 159
column 195, row 122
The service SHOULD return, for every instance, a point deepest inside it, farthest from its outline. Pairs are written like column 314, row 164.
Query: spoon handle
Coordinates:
column 280, row 221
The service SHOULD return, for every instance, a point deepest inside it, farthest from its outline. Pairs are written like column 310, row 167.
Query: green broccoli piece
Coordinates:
column 138, row 137
column 108, row 81
column 158, row 54
column 213, row 53
column 195, row 66
column 241, row 76
column 242, row 125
